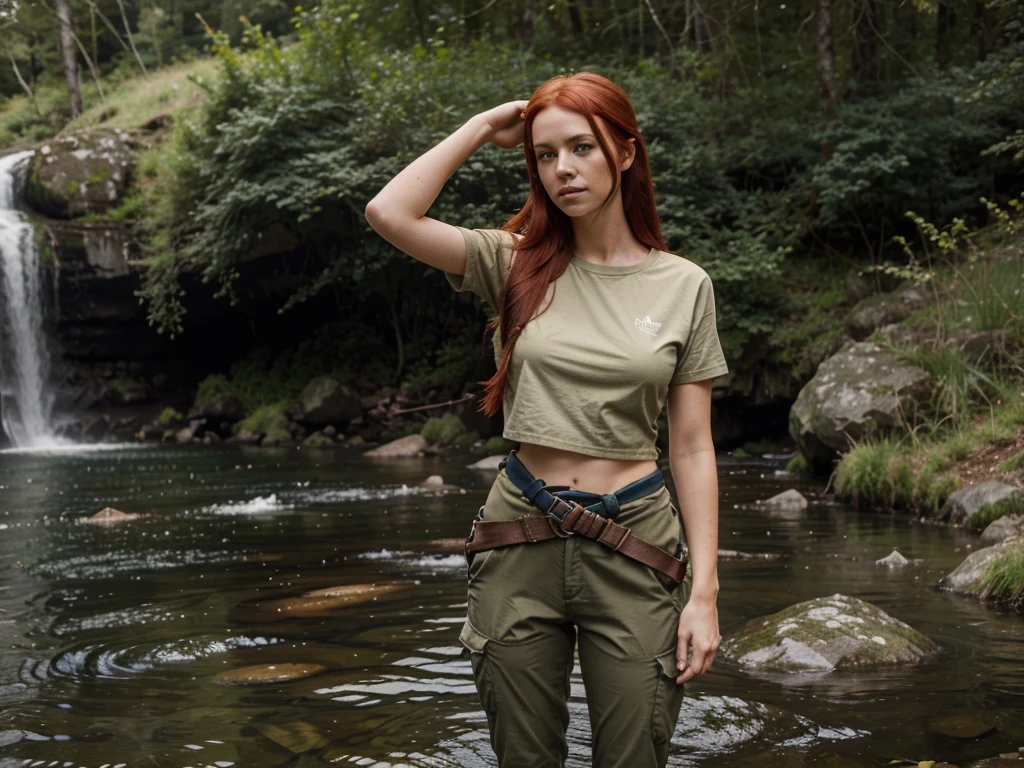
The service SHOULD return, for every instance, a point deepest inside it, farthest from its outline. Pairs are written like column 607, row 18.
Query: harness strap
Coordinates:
column 565, row 518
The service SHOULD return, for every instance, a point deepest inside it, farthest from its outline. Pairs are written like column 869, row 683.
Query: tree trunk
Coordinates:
column 984, row 28
column 68, row 59
column 21, row 80
column 867, row 39
column 701, row 28
column 576, row 19
column 945, row 19
column 827, row 90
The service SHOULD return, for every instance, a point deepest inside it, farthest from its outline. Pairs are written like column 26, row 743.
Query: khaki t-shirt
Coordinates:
column 591, row 372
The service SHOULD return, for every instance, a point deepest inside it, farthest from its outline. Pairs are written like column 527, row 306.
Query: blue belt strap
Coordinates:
column 607, row 505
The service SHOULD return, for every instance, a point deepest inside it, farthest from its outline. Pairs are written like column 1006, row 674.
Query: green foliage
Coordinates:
column 958, row 386
column 1003, row 579
column 443, row 430
column 798, row 465
column 169, row 417
column 497, row 445
column 270, row 419
column 212, row 387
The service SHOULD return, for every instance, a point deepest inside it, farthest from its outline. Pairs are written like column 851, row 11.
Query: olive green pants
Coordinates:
column 527, row 605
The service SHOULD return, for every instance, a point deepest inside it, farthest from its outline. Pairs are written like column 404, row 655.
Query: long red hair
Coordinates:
column 547, row 245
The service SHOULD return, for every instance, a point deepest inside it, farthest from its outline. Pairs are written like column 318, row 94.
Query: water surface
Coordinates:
column 111, row 636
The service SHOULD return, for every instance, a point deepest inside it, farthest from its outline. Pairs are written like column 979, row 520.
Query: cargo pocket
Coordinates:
column 668, row 700
column 475, row 644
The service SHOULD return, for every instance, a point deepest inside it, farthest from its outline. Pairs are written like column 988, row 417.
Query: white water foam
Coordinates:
column 258, row 506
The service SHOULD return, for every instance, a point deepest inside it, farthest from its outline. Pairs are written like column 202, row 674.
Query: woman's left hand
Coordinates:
column 698, row 630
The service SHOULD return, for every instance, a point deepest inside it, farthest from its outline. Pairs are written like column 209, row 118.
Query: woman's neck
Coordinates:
column 604, row 237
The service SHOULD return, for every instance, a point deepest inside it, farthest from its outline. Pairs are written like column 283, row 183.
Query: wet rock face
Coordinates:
column 1003, row 529
column 861, row 389
column 828, row 633
column 83, row 172
column 983, row 501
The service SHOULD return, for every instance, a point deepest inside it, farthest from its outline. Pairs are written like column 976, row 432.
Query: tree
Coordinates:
column 867, row 39
column 68, row 58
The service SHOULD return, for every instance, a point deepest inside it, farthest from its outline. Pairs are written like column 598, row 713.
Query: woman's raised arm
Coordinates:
column 398, row 212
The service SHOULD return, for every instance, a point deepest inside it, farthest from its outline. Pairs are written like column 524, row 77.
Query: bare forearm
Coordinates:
column 695, row 475
column 411, row 193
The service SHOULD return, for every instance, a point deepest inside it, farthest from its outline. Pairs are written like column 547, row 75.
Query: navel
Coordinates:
column 575, row 481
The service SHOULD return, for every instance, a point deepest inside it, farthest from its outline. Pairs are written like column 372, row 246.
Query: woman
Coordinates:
column 598, row 327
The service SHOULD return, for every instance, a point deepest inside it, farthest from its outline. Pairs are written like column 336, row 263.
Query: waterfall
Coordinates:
column 26, row 398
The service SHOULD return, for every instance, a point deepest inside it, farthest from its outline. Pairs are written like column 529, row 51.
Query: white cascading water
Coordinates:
column 26, row 400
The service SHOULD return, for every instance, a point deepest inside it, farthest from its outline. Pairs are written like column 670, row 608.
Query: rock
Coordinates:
column 246, row 437
column 185, row 434
column 893, row 560
column 356, row 440
column 791, row 500
column 325, row 400
column 434, row 481
column 318, row 440
column 222, row 408
column 862, row 389
column 403, row 447
column 330, row 431
column 1002, row 529
column 488, row 463
column 985, row 501
column 109, row 516
column 151, row 432
column 883, row 309
column 82, row 172
column 261, row 674
column 965, row 576
column 297, row 736
column 827, row 633
column 211, row 438
column 967, row 725
column 319, row 602
column 95, row 428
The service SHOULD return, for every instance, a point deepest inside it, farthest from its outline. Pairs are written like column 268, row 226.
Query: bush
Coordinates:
column 169, row 417
column 443, row 430
column 1003, row 579
column 271, row 420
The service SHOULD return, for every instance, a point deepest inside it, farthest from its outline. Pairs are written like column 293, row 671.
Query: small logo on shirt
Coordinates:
column 647, row 325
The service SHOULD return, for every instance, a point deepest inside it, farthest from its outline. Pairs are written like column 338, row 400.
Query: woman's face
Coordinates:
column 572, row 167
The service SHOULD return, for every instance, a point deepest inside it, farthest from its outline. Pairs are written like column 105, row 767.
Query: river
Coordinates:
column 111, row 636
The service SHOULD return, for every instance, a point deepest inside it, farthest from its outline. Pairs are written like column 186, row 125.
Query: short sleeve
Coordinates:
column 702, row 356
column 488, row 256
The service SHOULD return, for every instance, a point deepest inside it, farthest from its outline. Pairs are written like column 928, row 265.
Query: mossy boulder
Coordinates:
column 222, row 408
column 828, row 633
column 318, row 440
column 128, row 392
column 83, row 172
column 965, row 579
column 861, row 390
column 325, row 400
column 883, row 309
column 982, row 503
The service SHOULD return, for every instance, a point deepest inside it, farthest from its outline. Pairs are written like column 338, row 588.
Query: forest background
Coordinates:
column 789, row 141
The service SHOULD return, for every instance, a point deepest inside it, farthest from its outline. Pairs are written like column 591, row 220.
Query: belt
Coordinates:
column 565, row 516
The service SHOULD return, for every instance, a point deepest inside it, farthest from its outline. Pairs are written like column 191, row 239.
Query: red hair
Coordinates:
column 547, row 245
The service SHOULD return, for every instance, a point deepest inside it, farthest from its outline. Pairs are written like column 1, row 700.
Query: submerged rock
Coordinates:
column 109, row 516
column 966, row 725
column 489, row 463
column 893, row 560
column 403, row 447
column 828, row 633
column 861, row 389
column 434, row 481
column 319, row 602
column 787, row 501
column 984, row 501
column 261, row 674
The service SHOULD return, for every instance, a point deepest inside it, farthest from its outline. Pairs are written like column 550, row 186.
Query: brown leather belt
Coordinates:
column 565, row 518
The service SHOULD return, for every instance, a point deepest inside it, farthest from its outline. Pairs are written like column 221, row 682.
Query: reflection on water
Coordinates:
column 112, row 635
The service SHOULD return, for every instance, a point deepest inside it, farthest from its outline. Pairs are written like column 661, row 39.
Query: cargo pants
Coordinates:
column 528, row 606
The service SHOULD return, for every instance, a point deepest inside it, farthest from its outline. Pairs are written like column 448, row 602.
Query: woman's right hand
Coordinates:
column 506, row 124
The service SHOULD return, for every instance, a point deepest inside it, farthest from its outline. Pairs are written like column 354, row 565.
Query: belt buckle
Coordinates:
column 550, row 511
